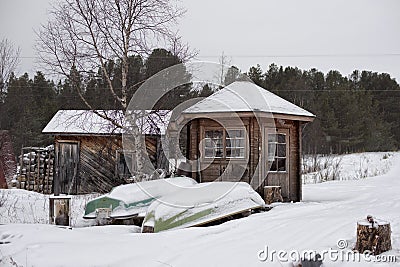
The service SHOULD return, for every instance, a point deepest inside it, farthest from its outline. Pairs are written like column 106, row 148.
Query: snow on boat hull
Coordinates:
column 199, row 205
column 132, row 200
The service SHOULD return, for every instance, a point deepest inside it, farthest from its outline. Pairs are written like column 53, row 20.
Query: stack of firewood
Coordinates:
column 35, row 169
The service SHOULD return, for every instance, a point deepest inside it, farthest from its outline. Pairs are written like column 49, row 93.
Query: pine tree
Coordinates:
column 69, row 95
column 256, row 75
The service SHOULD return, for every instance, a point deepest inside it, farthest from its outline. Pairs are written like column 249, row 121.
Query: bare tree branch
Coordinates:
column 9, row 60
column 84, row 35
column 181, row 50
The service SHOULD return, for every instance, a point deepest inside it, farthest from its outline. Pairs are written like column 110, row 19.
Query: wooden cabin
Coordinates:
column 240, row 133
column 246, row 133
column 88, row 150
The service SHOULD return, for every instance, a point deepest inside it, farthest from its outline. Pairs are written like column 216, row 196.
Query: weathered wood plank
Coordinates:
column 289, row 181
column 97, row 161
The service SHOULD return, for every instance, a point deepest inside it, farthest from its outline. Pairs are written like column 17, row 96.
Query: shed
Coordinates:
column 246, row 133
column 88, row 149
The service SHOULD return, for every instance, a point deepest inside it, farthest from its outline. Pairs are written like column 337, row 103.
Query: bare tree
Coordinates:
column 224, row 61
column 9, row 60
column 85, row 34
column 181, row 50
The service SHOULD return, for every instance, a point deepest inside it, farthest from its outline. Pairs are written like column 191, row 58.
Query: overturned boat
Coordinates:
column 131, row 201
column 200, row 205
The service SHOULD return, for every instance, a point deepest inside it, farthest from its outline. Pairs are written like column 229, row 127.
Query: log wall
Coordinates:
column 97, row 160
column 255, row 168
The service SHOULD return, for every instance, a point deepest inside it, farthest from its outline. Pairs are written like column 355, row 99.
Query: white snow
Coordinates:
column 244, row 96
column 223, row 197
column 328, row 213
column 88, row 122
column 131, row 193
column 354, row 166
column 21, row 206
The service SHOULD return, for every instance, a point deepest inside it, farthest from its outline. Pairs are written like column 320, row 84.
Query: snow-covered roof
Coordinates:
column 82, row 122
column 244, row 96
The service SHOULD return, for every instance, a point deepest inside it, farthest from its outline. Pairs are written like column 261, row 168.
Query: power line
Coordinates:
column 309, row 55
column 106, row 89
column 275, row 56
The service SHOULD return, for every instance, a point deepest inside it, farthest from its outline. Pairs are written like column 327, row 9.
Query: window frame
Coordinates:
column 235, row 139
column 225, row 136
column 276, row 156
column 214, row 148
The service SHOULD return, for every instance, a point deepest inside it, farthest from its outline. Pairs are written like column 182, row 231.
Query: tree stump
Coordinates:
column 272, row 194
column 373, row 235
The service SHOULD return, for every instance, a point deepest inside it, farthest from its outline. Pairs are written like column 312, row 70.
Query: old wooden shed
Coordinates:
column 89, row 156
column 246, row 133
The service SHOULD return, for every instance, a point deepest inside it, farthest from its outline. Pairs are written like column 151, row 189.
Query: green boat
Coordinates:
column 201, row 204
column 132, row 200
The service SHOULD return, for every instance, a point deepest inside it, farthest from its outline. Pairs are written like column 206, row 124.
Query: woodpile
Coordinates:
column 35, row 171
column 373, row 235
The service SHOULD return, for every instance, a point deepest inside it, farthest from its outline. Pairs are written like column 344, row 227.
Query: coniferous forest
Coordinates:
column 354, row 113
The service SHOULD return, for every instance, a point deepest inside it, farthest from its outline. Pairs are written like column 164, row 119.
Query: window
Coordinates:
column 277, row 152
column 213, row 144
column 235, row 144
column 224, row 144
column 126, row 162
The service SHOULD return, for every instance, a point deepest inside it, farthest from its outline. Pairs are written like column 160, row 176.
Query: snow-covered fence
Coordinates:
column 35, row 169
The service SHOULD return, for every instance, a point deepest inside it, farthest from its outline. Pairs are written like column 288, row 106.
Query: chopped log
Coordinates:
column 373, row 235
column 272, row 194
column 36, row 169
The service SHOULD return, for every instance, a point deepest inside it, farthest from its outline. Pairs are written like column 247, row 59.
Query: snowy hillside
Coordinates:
column 319, row 168
column 329, row 213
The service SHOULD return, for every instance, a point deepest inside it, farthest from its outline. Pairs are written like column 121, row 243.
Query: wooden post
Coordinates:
column 373, row 235
column 36, row 185
column 28, row 180
column 60, row 210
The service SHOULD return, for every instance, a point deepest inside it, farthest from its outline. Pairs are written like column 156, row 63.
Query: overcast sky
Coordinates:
column 341, row 34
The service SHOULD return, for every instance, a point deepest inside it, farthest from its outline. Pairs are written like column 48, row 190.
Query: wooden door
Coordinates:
column 67, row 162
column 276, row 159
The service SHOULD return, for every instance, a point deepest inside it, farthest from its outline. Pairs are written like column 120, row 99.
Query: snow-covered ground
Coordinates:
column 329, row 213
column 21, row 206
column 355, row 166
